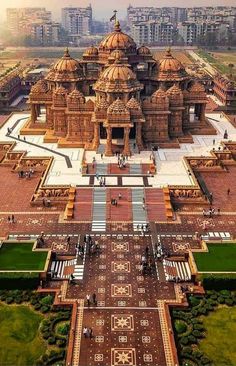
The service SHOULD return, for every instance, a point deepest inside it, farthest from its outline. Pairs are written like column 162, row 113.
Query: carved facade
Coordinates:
column 116, row 92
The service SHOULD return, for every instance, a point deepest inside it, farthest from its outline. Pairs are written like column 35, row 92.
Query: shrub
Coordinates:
column 184, row 341
column 46, row 335
column 192, row 339
column 197, row 334
column 64, row 328
column 205, row 360
column 18, row 280
column 220, row 300
column 44, row 309
column 180, row 326
column 197, row 354
column 9, row 300
column 198, row 327
column 229, row 302
column 225, row 293
column 47, row 300
column 37, row 306
column 61, row 343
column 194, row 300
column 18, row 300
column 51, row 340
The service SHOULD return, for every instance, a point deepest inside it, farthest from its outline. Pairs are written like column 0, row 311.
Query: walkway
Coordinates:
column 138, row 207
column 99, row 209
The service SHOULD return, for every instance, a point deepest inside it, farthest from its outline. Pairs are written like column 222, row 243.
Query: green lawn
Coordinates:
column 220, row 258
column 19, row 257
column 219, row 344
column 20, row 343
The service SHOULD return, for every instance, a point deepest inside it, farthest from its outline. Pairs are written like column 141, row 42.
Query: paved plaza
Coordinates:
column 130, row 318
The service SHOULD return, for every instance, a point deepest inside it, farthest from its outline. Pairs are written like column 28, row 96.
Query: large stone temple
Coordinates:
column 117, row 93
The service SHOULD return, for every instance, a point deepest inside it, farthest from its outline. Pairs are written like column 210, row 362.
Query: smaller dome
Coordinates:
column 91, row 51
column 158, row 94
column 117, row 55
column 66, row 63
column 76, row 96
column 102, row 104
column 175, row 92
column 40, row 87
column 133, row 103
column 160, row 99
column 118, row 107
column 60, row 91
column 143, row 51
column 197, row 88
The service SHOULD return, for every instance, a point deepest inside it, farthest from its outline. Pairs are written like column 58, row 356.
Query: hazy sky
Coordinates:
column 103, row 8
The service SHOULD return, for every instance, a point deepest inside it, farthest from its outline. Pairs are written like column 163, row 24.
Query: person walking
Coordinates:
column 85, row 332
column 90, row 332
column 94, row 299
column 228, row 191
column 88, row 300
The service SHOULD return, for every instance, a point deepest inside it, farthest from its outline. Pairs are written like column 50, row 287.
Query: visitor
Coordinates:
column 119, row 196
column 228, row 191
column 85, row 332
column 88, row 300
column 90, row 333
column 94, row 299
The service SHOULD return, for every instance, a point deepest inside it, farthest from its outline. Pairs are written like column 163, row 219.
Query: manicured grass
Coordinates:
column 220, row 258
column 19, row 257
column 21, row 344
column 219, row 344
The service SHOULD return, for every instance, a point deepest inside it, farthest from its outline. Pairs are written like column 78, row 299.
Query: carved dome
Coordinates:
column 160, row 98
column 118, row 78
column 117, row 40
column 197, row 88
column 133, row 103
column 102, row 104
column 175, row 95
column 117, row 54
column 144, row 51
column 60, row 91
column 91, row 51
column 170, row 68
column 76, row 97
column 66, row 69
column 118, row 107
column 40, row 87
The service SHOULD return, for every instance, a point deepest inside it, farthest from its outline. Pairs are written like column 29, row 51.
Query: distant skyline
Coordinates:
column 103, row 9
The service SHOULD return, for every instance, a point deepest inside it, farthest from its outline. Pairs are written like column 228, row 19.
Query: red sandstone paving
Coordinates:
column 155, row 204
column 114, row 169
column 15, row 192
column 123, row 210
column 145, row 168
column 102, row 324
column 83, row 204
column 218, row 183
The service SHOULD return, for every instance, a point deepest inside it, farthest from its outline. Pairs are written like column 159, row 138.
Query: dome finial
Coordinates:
column 168, row 51
column 66, row 53
column 117, row 26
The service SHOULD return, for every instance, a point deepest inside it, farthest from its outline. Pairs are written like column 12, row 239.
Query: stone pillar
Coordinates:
column 33, row 113
column 126, row 150
column 96, row 139
column 139, row 140
column 202, row 113
column 108, row 151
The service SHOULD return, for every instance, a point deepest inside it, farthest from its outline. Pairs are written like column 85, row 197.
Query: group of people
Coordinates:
column 147, row 264
column 102, row 180
column 92, row 246
column 121, row 160
column 88, row 332
column 27, row 174
column 211, row 212
column 11, row 219
column 91, row 300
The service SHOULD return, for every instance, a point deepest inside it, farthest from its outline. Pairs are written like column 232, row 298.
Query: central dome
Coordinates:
column 117, row 40
column 170, row 68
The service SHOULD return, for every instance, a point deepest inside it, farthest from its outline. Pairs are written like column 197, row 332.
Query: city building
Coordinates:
column 20, row 20
column 153, row 33
column 77, row 22
column 46, row 34
column 117, row 91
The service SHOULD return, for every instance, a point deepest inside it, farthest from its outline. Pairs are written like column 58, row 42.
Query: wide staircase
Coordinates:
column 101, row 169
column 62, row 269
column 176, row 268
column 99, row 209
column 135, row 169
column 138, row 211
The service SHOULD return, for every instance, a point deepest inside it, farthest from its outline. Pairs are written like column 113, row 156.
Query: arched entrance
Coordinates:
column 117, row 132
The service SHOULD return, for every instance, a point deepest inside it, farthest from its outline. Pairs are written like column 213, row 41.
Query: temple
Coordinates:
column 117, row 93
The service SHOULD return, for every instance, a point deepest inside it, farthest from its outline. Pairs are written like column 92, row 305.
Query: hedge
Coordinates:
column 218, row 281
column 19, row 280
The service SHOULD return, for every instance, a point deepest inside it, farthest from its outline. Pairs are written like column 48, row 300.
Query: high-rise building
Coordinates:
column 46, row 34
column 77, row 21
column 20, row 20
